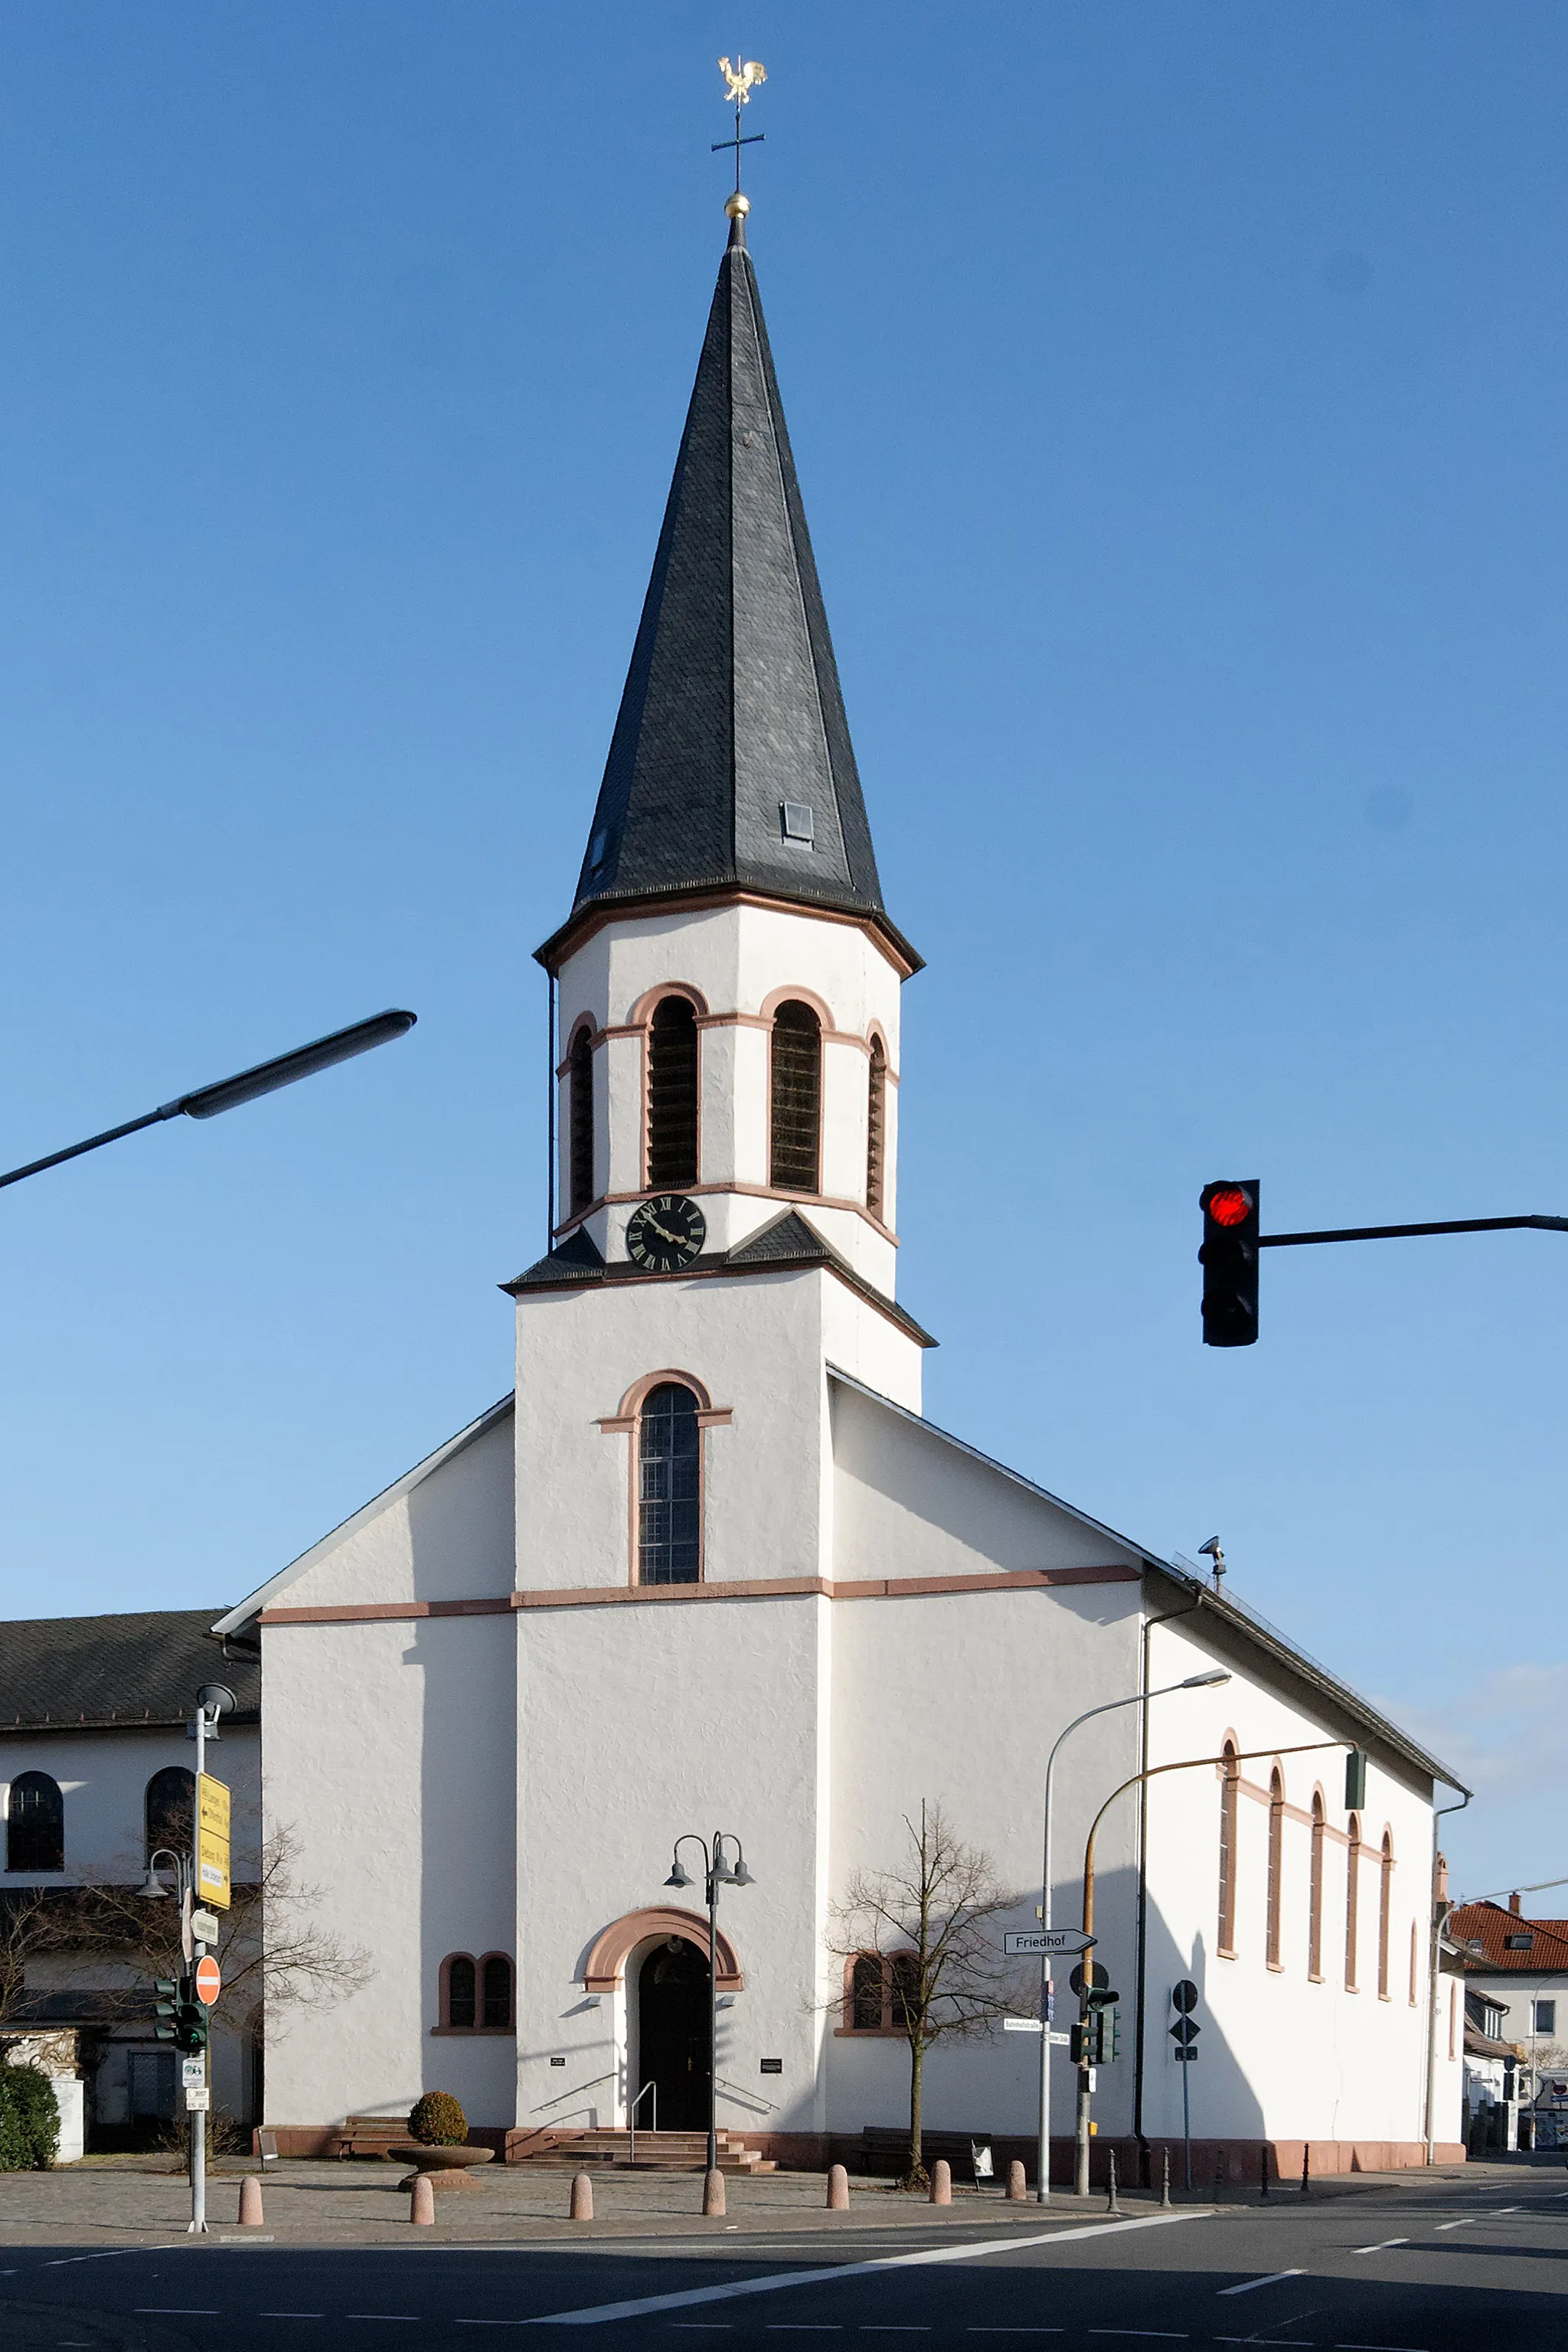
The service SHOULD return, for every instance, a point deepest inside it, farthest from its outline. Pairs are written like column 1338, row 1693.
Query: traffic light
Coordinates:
column 167, row 1989
column 191, row 2027
column 1229, row 1260
column 188, row 2026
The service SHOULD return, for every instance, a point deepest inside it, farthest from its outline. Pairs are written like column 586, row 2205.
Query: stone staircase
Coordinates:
column 662, row 2151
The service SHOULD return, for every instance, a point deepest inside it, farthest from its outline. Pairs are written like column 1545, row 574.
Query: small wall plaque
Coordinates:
column 558, row 2061
column 773, row 2065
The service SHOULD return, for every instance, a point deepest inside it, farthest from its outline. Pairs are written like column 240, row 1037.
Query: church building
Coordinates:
column 709, row 1568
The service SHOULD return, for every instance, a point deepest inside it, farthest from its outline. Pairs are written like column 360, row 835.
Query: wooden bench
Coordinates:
column 368, row 2136
column 883, row 2150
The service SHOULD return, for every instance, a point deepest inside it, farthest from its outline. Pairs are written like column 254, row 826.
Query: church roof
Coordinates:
column 65, row 1674
column 731, row 765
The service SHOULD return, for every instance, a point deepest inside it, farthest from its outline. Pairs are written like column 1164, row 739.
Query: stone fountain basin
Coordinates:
column 448, row 2167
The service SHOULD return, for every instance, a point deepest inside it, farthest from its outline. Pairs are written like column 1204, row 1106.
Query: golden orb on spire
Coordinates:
column 737, row 206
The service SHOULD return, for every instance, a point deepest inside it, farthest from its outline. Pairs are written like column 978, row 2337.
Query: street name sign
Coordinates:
column 1020, row 2025
column 1041, row 1943
column 212, row 1842
column 198, row 2103
column 205, row 1926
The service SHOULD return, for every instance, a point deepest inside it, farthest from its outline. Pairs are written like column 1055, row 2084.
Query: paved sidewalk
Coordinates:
column 140, row 2201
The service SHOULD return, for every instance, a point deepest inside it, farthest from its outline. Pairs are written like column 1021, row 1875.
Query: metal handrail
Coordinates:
column 572, row 2094
column 753, row 2097
column 632, row 2117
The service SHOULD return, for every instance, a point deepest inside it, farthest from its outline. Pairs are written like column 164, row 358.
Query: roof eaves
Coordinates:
column 247, row 1611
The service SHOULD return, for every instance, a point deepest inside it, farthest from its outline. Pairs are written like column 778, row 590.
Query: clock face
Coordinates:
column 666, row 1233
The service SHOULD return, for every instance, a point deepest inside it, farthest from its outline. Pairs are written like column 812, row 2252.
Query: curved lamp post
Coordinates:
column 716, row 1873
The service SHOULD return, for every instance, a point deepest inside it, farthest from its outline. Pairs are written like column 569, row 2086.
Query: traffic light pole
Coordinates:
column 198, row 2222
column 1402, row 1233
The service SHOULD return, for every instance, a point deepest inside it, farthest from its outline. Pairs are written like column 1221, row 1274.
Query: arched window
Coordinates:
column 669, row 1487
column 580, row 1108
column 1352, row 1901
column 876, row 1129
column 795, row 1133
column 1229, row 1791
column 459, row 2003
column 1315, row 1895
column 36, row 1823
column 867, row 1993
column 904, row 1990
column 1413, row 1963
column 496, row 1990
column 672, row 1094
column 1385, row 1908
column 1276, row 1865
column 171, row 1798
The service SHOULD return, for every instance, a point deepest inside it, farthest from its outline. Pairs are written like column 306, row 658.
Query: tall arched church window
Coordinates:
column 170, row 1801
column 459, row 1994
column 1276, row 1865
column 671, row 1095
column 1230, row 1790
column 580, row 1111
column 876, row 1129
column 1315, row 1895
column 36, row 1823
column 795, row 1132
column 1384, row 1910
column 1353, row 1902
column 669, row 1487
column 868, row 1989
column 495, row 1980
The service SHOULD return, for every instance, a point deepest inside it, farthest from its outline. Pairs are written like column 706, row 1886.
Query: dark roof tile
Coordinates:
column 56, row 1672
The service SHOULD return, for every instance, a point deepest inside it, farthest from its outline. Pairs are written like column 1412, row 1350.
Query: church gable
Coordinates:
column 909, row 1501
column 444, row 1531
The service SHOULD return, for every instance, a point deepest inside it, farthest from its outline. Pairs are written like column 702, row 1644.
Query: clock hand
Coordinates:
column 676, row 1241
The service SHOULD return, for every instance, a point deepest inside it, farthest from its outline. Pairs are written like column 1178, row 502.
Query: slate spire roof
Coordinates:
column 732, row 708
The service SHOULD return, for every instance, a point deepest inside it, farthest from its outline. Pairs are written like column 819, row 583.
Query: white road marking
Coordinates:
column 1273, row 2279
column 1505, row 2208
column 184, row 2310
column 410, row 2318
column 594, row 2314
column 111, row 2253
column 1463, row 2222
column 295, row 2314
column 1381, row 2247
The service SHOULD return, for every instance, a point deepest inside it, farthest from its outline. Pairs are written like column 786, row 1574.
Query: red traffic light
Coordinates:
column 1229, row 1204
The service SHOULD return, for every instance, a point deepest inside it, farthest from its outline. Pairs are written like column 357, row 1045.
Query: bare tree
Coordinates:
column 924, row 1928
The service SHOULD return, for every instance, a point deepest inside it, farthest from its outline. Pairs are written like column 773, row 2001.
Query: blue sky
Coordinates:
column 1177, row 392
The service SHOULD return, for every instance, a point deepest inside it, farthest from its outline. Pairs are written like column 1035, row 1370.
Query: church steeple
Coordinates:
column 731, row 765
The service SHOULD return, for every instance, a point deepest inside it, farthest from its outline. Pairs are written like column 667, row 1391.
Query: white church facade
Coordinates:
column 708, row 1568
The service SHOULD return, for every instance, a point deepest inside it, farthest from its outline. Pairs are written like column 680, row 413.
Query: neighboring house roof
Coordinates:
column 1491, row 1925
column 60, row 1673
column 1481, row 2045
column 732, row 706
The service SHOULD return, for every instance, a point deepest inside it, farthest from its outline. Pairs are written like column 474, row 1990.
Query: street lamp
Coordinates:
column 716, row 1873
column 1204, row 1681
column 227, row 1094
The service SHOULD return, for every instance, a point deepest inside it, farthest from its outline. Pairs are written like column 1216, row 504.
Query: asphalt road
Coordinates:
column 1458, row 2267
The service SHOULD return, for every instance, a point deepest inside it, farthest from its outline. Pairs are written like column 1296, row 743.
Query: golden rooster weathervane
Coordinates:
column 740, row 81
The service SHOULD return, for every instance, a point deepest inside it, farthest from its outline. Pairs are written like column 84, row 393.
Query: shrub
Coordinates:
column 29, row 2120
column 438, row 2121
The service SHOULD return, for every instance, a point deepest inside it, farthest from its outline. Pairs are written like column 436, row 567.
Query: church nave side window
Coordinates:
column 669, row 1487
column 795, row 1141
column 36, row 1823
column 672, row 1096
column 580, row 1107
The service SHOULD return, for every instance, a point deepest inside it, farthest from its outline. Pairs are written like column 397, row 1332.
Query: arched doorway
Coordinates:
column 672, row 2035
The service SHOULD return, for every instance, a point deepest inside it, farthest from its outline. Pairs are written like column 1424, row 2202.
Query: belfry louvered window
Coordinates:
column 876, row 1129
column 580, row 1112
column 669, row 1487
column 796, row 1127
column 672, row 1094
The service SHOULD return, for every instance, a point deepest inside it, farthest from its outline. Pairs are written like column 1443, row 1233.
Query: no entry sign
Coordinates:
column 208, row 1979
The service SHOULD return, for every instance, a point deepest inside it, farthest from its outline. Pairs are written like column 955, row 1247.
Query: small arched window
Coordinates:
column 1352, row 1901
column 1276, row 1865
column 1315, row 1895
column 170, row 1803
column 672, row 1094
column 459, row 1989
column 1385, row 1913
column 795, row 1131
column 1413, row 1962
column 36, row 1823
column 669, row 1487
column 580, row 1111
column 1229, row 1791
column 867, row 1993
column 495, row 1984
column 876, row 1129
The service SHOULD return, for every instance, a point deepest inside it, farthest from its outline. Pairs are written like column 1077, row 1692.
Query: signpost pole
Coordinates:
column 1186, row 2131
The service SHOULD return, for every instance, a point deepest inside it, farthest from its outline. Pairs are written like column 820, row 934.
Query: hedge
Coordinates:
column 29, row 2120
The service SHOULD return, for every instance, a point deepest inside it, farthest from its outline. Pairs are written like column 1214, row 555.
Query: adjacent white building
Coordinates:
column 708, row 1568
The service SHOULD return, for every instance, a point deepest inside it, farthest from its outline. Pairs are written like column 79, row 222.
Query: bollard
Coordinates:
column 837, row 2190
column 941, row 2182
column 1017, row 2183
column 1110, row 2204
column 581, row 2208
column 713, row 2193
column 250, row 2203
column 1263, row 2166
column 1165, row 2178
column 422, row 2201
column 1306, row 2168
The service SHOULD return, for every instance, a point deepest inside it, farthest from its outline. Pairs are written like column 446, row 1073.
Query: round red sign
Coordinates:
column 209, row 1979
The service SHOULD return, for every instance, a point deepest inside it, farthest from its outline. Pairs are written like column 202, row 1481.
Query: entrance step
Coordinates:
column 663, row 2151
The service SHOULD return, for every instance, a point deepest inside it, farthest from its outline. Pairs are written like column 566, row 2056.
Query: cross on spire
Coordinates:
column 740, row 81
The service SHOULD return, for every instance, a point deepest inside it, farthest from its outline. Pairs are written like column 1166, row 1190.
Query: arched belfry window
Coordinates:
column 171, row 1798
column 580, row 1111
column 36, row 1823
column 1315, row 1893
column 1353, row 1902
column 1385, row 1913
column 672, row 1094
column 669, row 1486
column 877, row 1130
column 1276, row 1889
column 795, row 1134
column 1230, row 1789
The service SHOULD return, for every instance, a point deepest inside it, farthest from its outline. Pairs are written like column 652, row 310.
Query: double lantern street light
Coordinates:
column 716, row 1873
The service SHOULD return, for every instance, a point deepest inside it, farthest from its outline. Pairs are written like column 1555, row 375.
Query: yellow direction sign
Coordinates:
column 212, row 1841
